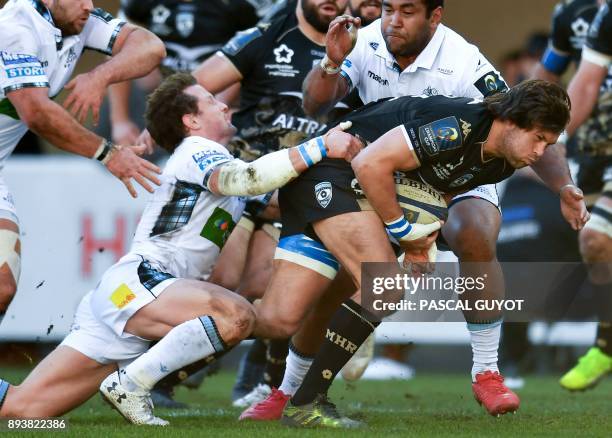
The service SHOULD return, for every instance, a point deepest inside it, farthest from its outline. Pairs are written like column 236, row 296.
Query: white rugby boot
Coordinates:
column 259, row 393
column 357, row 365
column 135, row 406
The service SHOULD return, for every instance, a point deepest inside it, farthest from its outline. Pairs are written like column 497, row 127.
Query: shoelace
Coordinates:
column 496, row 382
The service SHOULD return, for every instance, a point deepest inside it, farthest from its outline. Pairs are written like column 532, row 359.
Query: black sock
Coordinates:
column 257, row 352
column 348, row 329
column 275, row 362
column 604, row 337
column 168, row 383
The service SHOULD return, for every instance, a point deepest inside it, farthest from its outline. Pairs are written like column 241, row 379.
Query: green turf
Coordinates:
column 429, row 405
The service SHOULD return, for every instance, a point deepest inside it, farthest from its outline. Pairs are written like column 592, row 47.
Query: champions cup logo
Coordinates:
column 323, row 193
column 447, row 134
column 490, row 83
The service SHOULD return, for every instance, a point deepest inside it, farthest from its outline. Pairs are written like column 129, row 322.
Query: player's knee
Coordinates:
column 239, row 321
column 282, row 324
column 594, row 245
column 472, row 237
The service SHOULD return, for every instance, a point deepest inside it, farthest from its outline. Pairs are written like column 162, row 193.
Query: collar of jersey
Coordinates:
column 46, row 14
column 425, row 59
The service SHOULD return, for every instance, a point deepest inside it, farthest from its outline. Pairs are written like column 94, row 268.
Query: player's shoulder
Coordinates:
column 264, row 33
column 455, row 46
column 369, row 39
column 18, row 26
column 566, row 10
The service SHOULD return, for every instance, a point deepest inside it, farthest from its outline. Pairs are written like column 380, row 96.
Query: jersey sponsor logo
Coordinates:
column 461, row 180
column 466, row 127
column 323, row 193
column 381, row 81
column 441, row 135
column 283, row 54
column 490, row 83
column 184, row 23
column 218, row 227
column 373, row 45
column 302, row 124
column 446, row 71
column 17, row 58
column 205, row 159
column 122, row 296
column 17, row 72
column 241, row 40
column 443, row 171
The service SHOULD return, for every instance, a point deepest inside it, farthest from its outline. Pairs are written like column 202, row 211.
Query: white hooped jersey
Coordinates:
column 448, row 66
column 33, row 53
column 184, row 226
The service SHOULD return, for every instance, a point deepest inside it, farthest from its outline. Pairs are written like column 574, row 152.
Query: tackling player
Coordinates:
column 157, row 291
column 40, row 44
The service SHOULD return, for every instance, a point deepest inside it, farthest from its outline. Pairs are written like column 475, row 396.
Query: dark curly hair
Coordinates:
column 166, row 107
column 532, row 104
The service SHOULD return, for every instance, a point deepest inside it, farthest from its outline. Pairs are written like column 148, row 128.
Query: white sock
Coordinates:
column 296, row 368
column 184, row 344
column 485, row 342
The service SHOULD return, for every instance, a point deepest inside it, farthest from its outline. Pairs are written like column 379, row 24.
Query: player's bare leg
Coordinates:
column 596, row 250
column 10, row 260
column 63, row 380
column 232, row 258
column 471, row 232
column 194, row 320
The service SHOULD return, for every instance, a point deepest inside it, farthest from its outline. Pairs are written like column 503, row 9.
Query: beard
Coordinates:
column 410, row 48
column 357, row 13
column 311, row 15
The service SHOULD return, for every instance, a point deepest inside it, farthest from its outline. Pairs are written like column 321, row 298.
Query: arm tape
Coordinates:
column 238, row 178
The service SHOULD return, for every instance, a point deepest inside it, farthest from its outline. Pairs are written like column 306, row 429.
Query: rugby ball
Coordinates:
column 421, row 203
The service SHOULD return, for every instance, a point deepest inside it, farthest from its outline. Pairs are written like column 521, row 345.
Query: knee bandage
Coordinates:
column 8, row 253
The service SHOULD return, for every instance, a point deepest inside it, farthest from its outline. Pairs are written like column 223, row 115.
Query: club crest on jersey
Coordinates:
column 184, row 23
column 323, row 193
column 441, row 135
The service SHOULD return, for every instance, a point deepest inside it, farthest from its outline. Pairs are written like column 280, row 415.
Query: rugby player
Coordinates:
column 591, row 126
column 366, row 10
column 323, row 223
column 156, row 290
column 270, row 62
column 409, row 52
column 40, row 44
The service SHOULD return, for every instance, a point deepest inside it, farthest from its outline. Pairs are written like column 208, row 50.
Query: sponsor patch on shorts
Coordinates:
column 441, row 135
column 122, row 296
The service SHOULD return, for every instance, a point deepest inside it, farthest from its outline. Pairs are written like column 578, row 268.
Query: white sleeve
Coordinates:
column 20, row 66
column 203, row 161
column 101, row 31
column 480, row 78
column 352, row 65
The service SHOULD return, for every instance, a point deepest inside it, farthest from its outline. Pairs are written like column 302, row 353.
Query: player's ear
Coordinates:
column 436, row 16
column 190, row 121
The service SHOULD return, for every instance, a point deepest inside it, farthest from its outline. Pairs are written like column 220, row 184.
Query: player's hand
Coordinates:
column 125, row 133
column 420, row 254
column 573, row 207
column 86, row 93
column 340, row 39
column 341, row 144
column 126, row 165
column 145, row 139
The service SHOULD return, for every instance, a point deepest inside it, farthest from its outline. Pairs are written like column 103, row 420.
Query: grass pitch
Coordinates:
column 428, row 405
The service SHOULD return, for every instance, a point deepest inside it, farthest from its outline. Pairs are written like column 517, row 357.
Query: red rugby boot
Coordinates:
column 490, row 392
column 269, row 409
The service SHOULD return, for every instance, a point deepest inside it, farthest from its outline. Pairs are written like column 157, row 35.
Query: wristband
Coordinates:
column 328, row 68
column 399, row 228
column 103, row 150
column 312, row 151
column 114, row 148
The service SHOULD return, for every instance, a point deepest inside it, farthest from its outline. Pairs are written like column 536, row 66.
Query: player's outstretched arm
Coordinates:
column 583, row 91
column 136, row 52
column 272, row 171
column 374, row 168
column 217, row 73
column 324, row 86
column 50, row 121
